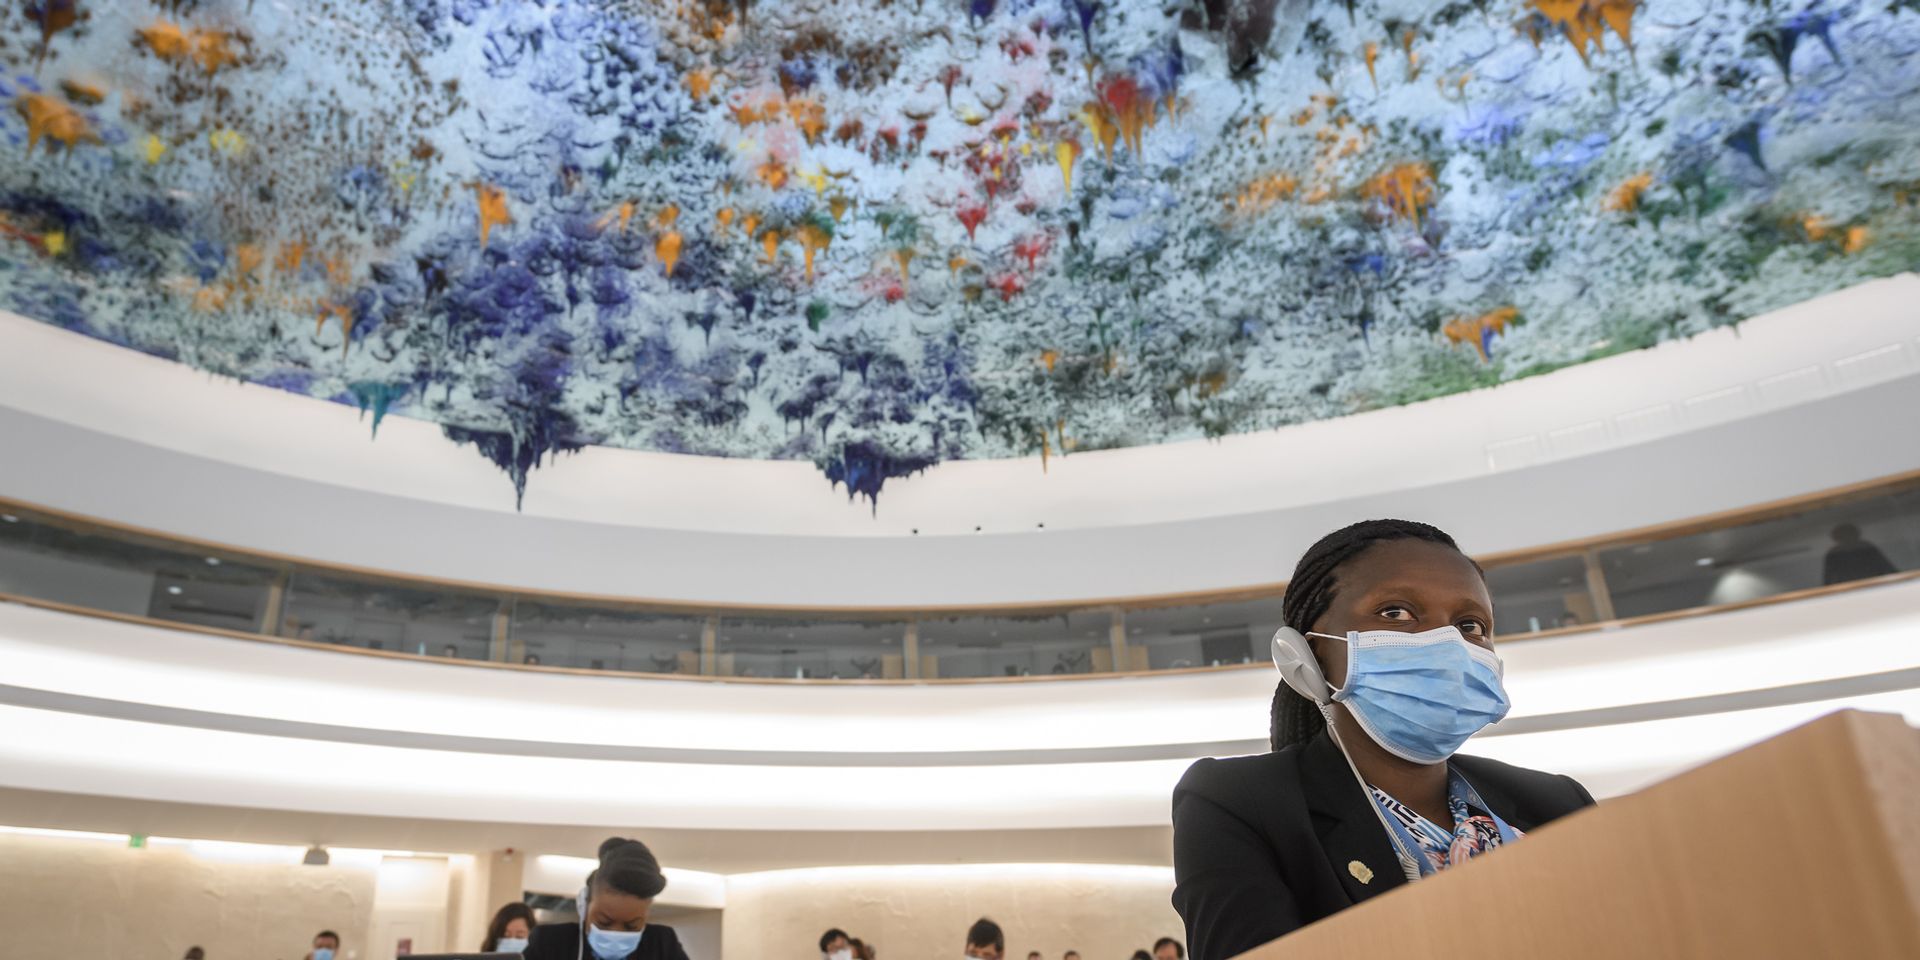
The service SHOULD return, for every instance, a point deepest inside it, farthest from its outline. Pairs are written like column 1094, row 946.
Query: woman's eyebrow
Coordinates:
column 1411, row 591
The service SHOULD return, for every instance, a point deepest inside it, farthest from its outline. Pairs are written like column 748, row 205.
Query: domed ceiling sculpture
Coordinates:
column 881, row 234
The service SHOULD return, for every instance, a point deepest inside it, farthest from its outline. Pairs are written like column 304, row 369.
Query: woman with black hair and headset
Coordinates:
column 613, row 912
column 1387, row 667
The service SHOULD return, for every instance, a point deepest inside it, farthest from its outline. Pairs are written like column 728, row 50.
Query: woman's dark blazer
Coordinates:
column 1265, row 845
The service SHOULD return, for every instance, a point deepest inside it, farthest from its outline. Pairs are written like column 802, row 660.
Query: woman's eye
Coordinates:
column 1397, row 613
column 1473, row 628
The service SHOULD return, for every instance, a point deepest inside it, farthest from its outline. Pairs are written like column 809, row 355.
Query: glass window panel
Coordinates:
column 1540, row 595
column 805, row 649
column 1831, row 544
column 1053, row 644
column 115, row 572
column 605, row 638
column 1205, row 635
column 381, row 615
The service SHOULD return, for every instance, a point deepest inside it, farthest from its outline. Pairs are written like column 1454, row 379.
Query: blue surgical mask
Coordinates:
column 323, row 953
column 510, row 945
column 612, row 944
column 1421, row 695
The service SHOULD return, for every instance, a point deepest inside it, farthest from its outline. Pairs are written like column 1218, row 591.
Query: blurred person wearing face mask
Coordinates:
column 836, row 945
column 985, row 941
column 613, row 912
column 1167, row 948
column 512, row 926
column 326, row 945
column 863, row 950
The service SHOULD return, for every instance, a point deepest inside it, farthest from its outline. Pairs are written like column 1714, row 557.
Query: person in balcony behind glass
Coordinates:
column 512, row 926
column 613, row 912
column 1389, row 637
column 1853, row 557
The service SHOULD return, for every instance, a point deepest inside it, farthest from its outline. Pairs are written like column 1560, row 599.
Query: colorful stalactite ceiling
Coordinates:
column 880, row 234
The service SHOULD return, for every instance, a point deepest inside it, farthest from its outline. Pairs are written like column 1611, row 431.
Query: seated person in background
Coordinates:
column 836, row 945
column 985, row 941
column 1071, row 955
column 195, row 953
column 1853, row 557
column 1167, row 948
column 613, row 912
column 1141, row 955
column 1035, row 955
column 862, row 950
column 511, row 927
column 1387, row 666
column 326, row 943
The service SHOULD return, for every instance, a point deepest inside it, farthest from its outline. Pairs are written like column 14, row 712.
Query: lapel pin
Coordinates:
column 1360, row 871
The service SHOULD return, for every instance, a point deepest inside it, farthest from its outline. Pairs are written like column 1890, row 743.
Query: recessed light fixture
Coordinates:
column 213, row 561
column 1703, row 562
column 176, row 591
column 10, row 518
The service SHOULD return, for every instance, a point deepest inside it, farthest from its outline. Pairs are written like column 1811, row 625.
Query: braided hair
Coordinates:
column 627, row 866
column 1297, row 719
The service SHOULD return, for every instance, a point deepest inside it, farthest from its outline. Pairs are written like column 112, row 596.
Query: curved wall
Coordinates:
column 115, row 709
column 1810, row 398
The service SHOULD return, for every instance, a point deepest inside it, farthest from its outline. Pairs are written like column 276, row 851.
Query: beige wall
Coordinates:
column 62, row 898
column 922, row 913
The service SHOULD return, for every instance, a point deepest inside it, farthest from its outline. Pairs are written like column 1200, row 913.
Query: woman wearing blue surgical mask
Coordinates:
column 613, row 912
column 510, row 929
column 1388, row 638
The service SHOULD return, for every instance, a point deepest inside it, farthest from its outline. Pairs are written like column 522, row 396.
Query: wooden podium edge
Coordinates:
column 1845, row 751
column 1888, row 753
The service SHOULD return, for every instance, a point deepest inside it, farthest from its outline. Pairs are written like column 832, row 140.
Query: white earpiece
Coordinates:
column 580, row 906
column 1293, row 657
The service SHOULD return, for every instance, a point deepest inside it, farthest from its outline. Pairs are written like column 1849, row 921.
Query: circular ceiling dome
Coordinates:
column 930, row 231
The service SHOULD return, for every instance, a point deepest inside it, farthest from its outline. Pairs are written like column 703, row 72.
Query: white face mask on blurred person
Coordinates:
column 844, row 953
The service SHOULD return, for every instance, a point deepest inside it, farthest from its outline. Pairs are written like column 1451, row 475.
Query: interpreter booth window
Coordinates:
column 1204, row 635
column 805, row 649
column 591, row 637
column 1043, row 644
column 1826, row 546
column 122, row 573
column 380, row 615
column 1545, row 594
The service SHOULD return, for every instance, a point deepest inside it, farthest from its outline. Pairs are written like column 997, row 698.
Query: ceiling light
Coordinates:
column 1703, row 562
column 10, row 518
column 213, row 561
column 316, row 857
column 176, row 591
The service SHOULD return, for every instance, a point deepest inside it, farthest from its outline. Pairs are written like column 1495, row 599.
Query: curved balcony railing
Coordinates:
column 1836, row 540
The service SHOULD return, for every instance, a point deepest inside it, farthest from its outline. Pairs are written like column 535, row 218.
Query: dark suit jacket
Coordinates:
column 561, row 941
column 1262, row 844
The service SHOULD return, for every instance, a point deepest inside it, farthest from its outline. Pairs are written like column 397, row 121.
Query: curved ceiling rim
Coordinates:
column 1567, row 410
column 1666, row 479
column 1651, row 533
column 1783, row 695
